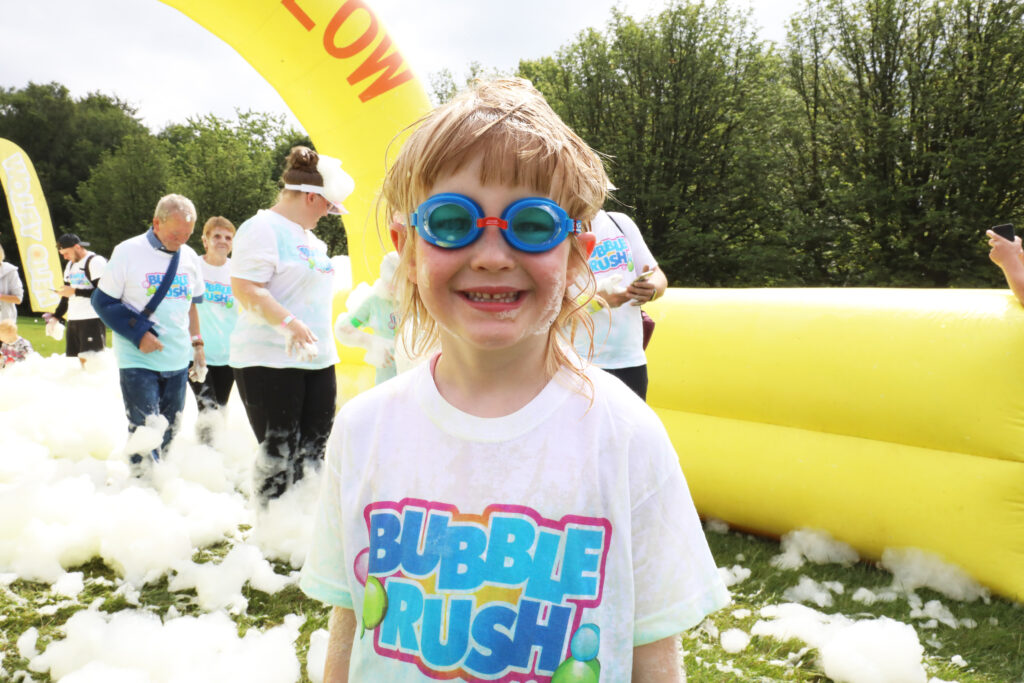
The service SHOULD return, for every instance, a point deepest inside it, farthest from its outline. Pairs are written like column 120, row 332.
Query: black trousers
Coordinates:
column 635, row 378
column 214, row 391
column 211, row 395
column 291, row 412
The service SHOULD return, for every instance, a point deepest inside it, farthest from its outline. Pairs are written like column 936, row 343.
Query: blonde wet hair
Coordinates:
column 8, row 331
column 520, row 140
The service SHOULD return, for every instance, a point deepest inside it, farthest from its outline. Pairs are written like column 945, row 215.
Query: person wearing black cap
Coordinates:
column 86, row 332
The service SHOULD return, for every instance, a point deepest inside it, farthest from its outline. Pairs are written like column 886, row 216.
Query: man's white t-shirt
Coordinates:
column 618, row 332
column 294, row 265
column 218, row 314
column 497, row 540
column 134, row 273
column 75, row 274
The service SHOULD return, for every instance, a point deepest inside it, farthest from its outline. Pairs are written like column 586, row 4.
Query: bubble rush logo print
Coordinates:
column 611, row 254
column 496, row 596
column 315, row 262
column 179, row 288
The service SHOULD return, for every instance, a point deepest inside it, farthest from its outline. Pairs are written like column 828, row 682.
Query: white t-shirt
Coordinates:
column 294, row 264
column 618, row 332
column 515, row 533
column 134, row 273
column 218, row 314
column 79, row 307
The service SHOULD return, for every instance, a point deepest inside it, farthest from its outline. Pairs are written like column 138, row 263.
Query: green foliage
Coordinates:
column 686, row 105
column 912, row 144
column 225, row 167
column 65, row 138
column 117, row 200
column 874, row 149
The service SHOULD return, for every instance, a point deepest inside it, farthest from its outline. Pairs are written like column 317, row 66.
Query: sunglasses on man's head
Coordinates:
column 534, row 224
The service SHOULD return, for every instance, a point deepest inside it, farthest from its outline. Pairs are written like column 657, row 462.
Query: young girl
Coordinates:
column 502, row 512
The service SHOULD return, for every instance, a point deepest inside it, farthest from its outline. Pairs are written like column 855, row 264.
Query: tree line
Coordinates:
column 102, row 171
column 871, row 148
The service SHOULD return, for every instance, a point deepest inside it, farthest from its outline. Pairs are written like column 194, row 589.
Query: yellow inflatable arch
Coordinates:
column 890, row 418
column 340, row 73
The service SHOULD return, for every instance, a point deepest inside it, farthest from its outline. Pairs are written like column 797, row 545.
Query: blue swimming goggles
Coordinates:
column 534, row 224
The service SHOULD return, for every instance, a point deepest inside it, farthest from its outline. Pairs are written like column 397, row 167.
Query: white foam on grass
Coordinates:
column 869, row 651
column 733, row 575
column 218, row 585
column 138, row 646
column 735, row 640
column 912, row 569
column 809, row 590
column 67, row 495
column 812, row 545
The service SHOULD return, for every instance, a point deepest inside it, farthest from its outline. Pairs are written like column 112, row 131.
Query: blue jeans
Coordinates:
column 148, row 392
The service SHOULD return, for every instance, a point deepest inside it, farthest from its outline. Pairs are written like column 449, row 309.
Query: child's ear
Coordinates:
column 397, row 231
column 399, row 235
column 588, row 241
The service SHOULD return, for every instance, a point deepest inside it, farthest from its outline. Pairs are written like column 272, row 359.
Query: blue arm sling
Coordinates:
column 125, row 319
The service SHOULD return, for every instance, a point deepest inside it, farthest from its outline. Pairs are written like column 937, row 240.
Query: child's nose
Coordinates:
column 491, row 251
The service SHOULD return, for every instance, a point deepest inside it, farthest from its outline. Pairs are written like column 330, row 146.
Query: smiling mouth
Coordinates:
column 485, row 297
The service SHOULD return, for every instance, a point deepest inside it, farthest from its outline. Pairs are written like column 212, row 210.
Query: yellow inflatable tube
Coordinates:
column 890, row 418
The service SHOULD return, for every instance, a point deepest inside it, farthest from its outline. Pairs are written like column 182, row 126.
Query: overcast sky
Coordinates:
column 124, row 47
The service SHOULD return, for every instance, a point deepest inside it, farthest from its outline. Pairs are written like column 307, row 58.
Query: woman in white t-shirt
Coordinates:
column 217, row 318
column 619, row 261
column 282, row 347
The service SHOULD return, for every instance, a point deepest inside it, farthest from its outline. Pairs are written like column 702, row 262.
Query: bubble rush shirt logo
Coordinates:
column 497, row 596
column 179, row 288
column 320, row 265
column 611, row 254
column 218, row 293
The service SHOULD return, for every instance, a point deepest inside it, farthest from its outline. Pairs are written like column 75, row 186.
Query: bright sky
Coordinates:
column 170, row 68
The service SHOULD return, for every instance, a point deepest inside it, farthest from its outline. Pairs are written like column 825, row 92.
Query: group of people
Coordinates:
column 260, row 319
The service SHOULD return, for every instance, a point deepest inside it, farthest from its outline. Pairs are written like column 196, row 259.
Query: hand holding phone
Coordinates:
column 1005, row 231
column 644, row 275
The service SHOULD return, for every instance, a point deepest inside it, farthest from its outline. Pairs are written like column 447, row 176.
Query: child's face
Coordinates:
column 488, row 294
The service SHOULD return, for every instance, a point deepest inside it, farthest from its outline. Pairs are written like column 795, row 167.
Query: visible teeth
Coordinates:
column 507, row 297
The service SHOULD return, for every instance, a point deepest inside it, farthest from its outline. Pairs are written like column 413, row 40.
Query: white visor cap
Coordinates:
column 338, row 184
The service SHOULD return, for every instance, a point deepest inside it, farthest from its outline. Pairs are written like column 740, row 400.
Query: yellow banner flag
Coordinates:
column 32, row 228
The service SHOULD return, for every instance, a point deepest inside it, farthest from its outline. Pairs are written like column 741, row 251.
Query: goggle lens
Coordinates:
column 449, row 223
column 533, row 225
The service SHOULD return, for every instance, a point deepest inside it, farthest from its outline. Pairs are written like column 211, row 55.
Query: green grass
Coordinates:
column 994, row 650
column 34, row 329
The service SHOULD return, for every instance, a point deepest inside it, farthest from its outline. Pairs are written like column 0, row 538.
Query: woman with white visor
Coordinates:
column 282, row 348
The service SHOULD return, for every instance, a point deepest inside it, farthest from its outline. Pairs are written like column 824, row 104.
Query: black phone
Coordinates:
column 1005, row 231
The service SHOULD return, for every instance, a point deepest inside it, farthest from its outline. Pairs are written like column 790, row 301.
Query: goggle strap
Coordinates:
column 491, row 220
column 577, row 226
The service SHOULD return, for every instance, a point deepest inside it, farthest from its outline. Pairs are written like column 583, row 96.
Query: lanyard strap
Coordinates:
column 165, row 284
